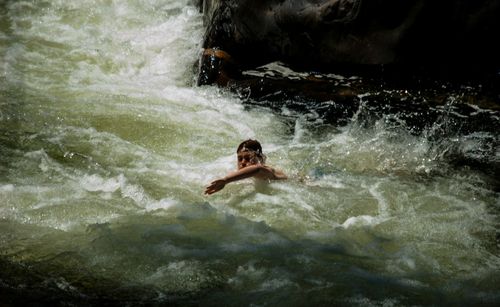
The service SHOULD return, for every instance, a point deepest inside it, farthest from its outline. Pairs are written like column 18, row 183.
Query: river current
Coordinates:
column 106, row 145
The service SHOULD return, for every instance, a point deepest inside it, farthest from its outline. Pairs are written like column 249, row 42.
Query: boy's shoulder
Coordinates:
column 270, row 173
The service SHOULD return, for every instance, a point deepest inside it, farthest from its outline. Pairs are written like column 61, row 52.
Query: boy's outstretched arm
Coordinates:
column 258, row 171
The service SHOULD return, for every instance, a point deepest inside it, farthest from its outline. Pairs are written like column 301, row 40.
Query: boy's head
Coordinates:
column 249, row 152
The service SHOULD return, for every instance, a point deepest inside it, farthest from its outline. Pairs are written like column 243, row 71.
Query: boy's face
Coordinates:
column 247, row 158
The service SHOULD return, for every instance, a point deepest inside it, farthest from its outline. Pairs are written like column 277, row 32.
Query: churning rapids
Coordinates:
column 106, row 145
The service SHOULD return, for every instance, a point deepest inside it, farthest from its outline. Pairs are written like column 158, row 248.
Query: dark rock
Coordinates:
column 445, row 37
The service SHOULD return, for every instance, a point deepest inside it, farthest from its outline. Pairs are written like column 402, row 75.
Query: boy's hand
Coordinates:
column 215, row 186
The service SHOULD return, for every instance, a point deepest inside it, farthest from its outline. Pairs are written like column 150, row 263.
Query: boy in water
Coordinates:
column 251, row 163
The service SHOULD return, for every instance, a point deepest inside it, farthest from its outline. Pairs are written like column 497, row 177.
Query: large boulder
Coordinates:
column 446, row 36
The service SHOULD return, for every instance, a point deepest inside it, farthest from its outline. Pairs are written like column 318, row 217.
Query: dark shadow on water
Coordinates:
column 201, row 257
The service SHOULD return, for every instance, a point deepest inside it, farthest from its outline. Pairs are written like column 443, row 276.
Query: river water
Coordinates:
column 106, row 144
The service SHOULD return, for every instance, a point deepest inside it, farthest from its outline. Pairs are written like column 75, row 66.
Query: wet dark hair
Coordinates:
column 250, row 144
column 254, row 146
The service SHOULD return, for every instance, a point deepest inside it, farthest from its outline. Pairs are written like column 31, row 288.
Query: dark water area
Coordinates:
column 328, row 272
